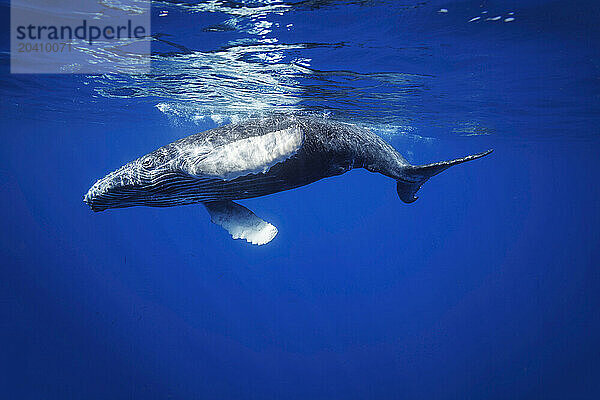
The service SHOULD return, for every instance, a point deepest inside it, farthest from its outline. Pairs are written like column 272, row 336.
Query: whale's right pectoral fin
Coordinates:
column 240, row 222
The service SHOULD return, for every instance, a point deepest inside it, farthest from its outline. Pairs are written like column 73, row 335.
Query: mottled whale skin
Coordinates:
column 251, row 159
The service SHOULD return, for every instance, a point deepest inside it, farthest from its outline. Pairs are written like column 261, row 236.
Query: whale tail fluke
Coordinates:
column 414, row 176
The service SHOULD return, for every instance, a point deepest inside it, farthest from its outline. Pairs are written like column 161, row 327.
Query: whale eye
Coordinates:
column 147, row 162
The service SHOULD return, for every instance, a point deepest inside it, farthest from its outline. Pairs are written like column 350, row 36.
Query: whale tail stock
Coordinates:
column 414, row 176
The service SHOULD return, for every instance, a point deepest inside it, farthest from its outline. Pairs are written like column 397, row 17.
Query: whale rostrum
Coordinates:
column 251, row 159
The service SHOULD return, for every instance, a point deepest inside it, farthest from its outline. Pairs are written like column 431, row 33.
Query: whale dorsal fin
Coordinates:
column 414, row 176
column 240, row 222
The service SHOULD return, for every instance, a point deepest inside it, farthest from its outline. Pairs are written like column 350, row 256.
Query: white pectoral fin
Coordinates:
column 250, row 155
column 240, row 222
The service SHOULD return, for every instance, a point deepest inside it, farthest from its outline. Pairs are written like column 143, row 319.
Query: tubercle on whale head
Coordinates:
column 127, row 186
column 157, row 179
column 109, row 192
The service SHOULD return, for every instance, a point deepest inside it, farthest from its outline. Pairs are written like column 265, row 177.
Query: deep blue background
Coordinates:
column 486, row 288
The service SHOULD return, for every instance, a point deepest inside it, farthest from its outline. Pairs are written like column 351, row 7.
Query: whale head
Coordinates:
column 148, row 180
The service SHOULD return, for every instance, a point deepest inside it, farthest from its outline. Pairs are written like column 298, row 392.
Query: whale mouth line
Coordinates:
column 130, row 197
column 119, row 197
column 163, row 190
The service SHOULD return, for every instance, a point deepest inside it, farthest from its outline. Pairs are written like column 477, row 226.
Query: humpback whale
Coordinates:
column 251, row 159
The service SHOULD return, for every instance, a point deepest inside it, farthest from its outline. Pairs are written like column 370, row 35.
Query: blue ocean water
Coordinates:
column 487, row 287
